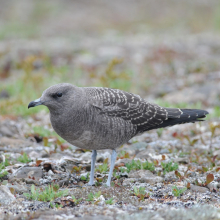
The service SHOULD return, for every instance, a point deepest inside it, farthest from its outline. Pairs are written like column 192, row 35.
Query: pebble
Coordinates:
column 194, row 188
column 6, row 197
column 145, row 176
column 35, row 173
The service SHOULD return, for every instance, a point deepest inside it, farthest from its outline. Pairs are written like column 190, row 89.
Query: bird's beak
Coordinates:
column 35, row 103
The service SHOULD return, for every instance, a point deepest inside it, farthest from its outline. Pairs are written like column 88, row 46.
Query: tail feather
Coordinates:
column 182, row 116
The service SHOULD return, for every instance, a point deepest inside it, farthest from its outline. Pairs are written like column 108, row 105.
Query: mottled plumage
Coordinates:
column 103, row 118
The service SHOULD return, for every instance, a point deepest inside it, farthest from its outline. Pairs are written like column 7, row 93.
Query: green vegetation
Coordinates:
column 140, row 192
column 138, row 165
column 85, row 178
column 122, row 169
column 32, row 81
column 56, row 205
column 76, row 201
column 123, row 154
column 92, row 197
column 177, row 192
column 115, row 174
column 24, row 158
column 49, row 194
column 2, row 167
column 113, row 78
column 168, row 167
column 184, row 154
column 160, row 131
column 102, row 168
column 216, row 112
column 109, row 201
column 43, row 132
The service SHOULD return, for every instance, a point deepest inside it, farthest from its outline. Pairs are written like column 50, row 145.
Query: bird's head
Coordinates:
column 56, row 97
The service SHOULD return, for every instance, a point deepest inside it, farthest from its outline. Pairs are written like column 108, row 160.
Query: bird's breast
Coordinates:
column 84, row 140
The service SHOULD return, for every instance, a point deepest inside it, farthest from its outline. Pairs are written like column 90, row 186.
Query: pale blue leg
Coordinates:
column 91, row 181
column 113, row 158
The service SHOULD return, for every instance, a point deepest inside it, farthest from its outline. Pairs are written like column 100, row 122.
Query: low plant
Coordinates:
column 160, row 132
column 177, row 192
column 109, row 201
column 76, row 201
column 45, row 133
column 93, row 197
column 191, row 142
column 103, row 168
column 112, row 77
column 2, row 171
column 168, row 167
column 47, row 195
column 138, row 165
column 85, row 178
column 140, row 192
column 24, row 158
column 116, row 175
column 123, row 154
column 122, row 169
column 55, row 206
column 209, row 178
column 213, row 127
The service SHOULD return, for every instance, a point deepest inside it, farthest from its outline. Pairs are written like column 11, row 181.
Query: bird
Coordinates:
column 98, row 118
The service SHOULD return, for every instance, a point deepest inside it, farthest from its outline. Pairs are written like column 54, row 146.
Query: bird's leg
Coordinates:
column 113, row 158
column 91, row 181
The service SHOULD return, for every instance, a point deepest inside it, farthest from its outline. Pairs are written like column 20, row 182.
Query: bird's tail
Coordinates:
column 181, row 116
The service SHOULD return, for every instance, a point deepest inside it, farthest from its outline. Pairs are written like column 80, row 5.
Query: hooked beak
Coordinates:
column 35, row 103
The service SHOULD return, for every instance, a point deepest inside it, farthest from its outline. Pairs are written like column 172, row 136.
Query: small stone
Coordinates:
column 129, row 181
column 68, row 163
column 213, row 186
column 184, row 160
column 194, row 188
column 18, row 188
column 34, row 155
column 50, row 173
column 29, row 172
column 5, row 131
column 217, row 152
column 159, row 185
column 145, row 176
column 101, row 200
column 4, row 94
column 5, row 141
column 6, row 197
column 81, row 183
column 123, row 161
column 164, row 151
column 125, row 174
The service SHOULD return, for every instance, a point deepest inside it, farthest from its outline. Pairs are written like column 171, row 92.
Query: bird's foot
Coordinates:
column 107, row 184
column 90, row 184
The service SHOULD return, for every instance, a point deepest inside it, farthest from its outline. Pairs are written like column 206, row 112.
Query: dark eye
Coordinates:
column 59, row 94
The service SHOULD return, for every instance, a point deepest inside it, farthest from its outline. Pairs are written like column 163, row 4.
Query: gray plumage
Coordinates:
column 102, row 118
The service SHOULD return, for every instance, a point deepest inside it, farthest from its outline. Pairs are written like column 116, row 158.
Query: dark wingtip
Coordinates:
column 206, row 112
column 204, row 115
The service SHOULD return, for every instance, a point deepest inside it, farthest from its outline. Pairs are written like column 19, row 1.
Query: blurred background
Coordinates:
column 168, row 51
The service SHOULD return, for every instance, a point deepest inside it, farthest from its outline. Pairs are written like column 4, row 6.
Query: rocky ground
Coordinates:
column 182, row 173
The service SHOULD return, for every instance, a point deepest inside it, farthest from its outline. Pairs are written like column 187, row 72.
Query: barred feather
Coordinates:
column 143, row 115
